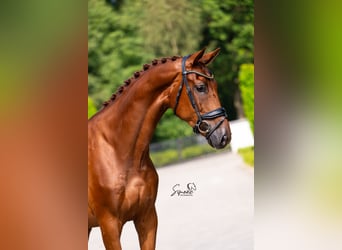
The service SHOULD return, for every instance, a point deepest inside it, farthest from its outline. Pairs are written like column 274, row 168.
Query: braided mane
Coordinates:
column 135, row 76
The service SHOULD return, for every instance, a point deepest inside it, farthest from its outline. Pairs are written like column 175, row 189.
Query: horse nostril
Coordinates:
column 224, row 140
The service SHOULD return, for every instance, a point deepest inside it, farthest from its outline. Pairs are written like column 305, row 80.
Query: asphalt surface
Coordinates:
column 218, row 215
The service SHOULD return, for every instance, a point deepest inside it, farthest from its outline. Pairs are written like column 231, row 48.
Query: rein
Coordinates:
column 201, row 125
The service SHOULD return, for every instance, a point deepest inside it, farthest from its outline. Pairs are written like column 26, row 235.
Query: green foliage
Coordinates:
column 246, row 79
column 229, row 24
column 248, row 155
column 114, row 49
column 170, row 27
column 91, row 108
column 171, row 127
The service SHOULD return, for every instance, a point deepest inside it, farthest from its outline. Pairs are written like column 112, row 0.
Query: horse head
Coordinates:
column 196, row 101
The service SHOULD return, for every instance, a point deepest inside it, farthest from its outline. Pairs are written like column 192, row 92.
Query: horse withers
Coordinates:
column 122, row 180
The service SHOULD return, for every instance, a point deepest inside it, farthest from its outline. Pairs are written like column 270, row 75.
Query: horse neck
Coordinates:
column 129, row 122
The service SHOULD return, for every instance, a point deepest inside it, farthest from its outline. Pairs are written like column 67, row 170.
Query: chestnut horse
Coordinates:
column 122, row 180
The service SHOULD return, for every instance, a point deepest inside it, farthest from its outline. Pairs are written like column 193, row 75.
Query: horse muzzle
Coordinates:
column 218, row 134
column 219, row 138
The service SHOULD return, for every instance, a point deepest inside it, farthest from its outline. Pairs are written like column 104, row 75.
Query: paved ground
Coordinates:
column 219, row 215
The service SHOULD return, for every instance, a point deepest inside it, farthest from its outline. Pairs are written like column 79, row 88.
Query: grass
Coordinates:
column 173, row 155
column 164, row 157
column 196, row 150
column 248, row 155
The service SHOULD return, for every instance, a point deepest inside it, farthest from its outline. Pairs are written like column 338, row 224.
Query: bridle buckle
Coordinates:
column 202, row 127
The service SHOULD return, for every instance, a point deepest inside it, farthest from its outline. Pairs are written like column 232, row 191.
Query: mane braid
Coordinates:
column 135, row 76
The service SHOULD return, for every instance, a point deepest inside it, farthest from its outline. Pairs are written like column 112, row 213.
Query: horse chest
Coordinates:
column 128, row 201
column 139, row 196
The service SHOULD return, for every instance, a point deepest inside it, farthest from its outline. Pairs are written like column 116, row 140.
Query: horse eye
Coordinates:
column 201, row 88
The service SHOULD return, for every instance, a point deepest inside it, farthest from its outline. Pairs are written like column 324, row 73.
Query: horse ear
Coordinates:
column 209, row 57
column 195, row 57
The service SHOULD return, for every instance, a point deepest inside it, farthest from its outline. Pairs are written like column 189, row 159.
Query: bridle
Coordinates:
column 201, row 125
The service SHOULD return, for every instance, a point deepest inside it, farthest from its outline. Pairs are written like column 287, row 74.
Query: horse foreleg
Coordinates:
column 111, row 228
column 146, row 226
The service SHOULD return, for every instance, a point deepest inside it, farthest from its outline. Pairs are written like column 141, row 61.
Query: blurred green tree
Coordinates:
column 114, row 49
column 246, row 80
column 229, row 24
column 171, row 27
column 171, row 126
